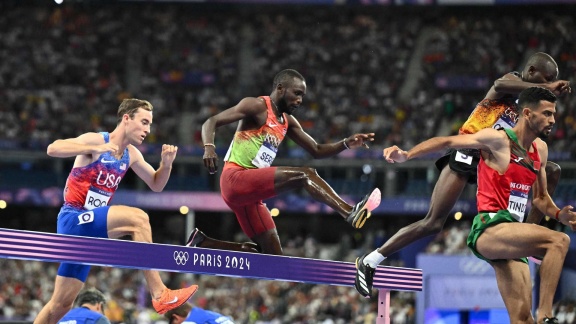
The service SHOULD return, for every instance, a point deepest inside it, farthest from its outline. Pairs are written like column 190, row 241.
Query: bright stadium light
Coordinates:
column 58, row 1
column 274, row 212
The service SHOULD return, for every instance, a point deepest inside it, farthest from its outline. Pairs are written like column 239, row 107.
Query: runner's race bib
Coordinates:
column 505, row 121
column 96, row 198
column 265, row 155
column 517, row 205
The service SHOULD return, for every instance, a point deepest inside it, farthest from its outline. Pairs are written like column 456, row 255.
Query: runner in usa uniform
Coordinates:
column 248, row 176
column 512, row 162
column 188, row 314
column 91, row 303
column 458, row 167
column 102, row 160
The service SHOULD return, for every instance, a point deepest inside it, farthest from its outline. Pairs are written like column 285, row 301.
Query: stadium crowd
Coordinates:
column 367, row 70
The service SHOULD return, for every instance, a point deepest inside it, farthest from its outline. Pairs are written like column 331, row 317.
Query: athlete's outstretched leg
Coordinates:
column 446, row 192
column 553, row 172
column 291, row 178
column 124, row 220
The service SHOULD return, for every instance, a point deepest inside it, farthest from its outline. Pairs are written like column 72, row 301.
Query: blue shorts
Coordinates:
column 71, row 221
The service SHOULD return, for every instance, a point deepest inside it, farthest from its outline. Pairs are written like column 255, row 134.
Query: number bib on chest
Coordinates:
column 517, row 205
column 265, row 155
column 504, row 122
column 96, row 198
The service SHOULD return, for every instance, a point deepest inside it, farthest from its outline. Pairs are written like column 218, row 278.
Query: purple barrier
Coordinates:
column 18, row 244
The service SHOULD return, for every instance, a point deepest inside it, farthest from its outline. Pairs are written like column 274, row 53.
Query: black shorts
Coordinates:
column 463, row 162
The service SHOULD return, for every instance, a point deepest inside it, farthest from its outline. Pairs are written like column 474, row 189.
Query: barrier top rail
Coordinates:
column 49, row 247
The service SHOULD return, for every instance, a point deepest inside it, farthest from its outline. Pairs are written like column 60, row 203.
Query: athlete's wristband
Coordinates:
column 556, row 216
column 345, row 145
column 210, row 144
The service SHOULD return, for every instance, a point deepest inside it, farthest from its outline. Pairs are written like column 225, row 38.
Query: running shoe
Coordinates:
column 362, row 210
column 195, row 238
column 550, row 320
column 364, row 277
column 171, row 299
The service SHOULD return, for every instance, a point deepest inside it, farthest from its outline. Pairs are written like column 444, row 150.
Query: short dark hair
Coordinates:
column 286, row 77
column 91, row 296
column 532, row 96
column 182, row 311
column 130, row 106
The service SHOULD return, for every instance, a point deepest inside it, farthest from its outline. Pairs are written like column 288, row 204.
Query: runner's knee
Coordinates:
column 559, row 242
column 309, row 173
column 304, row 175
column 140, row 219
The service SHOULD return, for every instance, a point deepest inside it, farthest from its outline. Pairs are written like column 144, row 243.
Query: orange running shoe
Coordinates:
column 171, row 299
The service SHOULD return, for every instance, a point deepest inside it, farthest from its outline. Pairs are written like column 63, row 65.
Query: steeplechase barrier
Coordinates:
column 49, row 247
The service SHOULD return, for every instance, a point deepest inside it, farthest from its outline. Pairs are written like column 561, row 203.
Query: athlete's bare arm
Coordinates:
column 542, row 200
column 86, row 148
column 489, row 140
column 250, row 111
column 155, row 179
column 319, row 151
column 512, row 84
column 85, row 144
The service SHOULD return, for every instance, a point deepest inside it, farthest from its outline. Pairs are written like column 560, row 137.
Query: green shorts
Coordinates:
column 481, row 222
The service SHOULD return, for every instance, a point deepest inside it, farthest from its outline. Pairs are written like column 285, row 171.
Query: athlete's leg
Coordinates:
column 269, row 241
column 517, row 240
column 553, row 172
column 210, row 243
column 134, row 222
column 243, row 191
column 257, row 223
column 291, row 178
column 62, row 300
column 446, row 193
column 515, row 286
column 199, row 239
column 124, row 220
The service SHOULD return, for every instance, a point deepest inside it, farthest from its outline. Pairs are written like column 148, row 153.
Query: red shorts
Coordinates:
column 243, row 191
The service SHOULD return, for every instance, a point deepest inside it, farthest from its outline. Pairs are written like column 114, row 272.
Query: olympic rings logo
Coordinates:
column 181, row 257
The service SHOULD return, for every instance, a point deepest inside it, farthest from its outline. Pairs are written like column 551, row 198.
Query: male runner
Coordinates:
column 458, row 167
column 248, row 176
column 102, row 160
column 90, row 310
column 512, row 162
